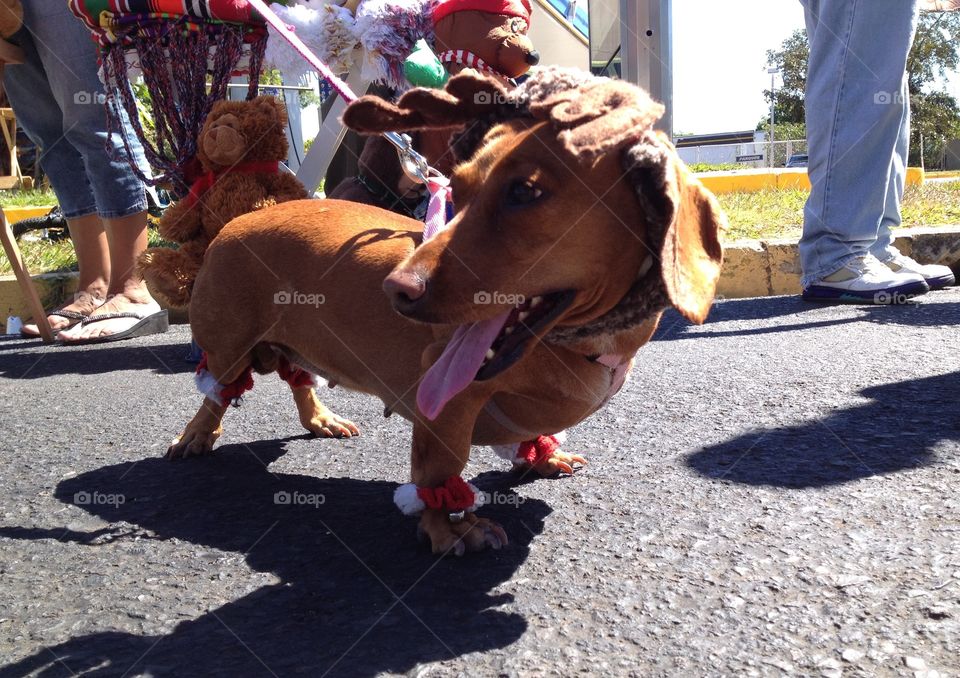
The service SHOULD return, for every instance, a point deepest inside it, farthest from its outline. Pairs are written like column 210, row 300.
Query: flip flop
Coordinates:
column 155, row 323
column 73, row 316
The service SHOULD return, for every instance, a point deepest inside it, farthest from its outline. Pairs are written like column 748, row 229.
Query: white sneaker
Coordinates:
column 865, row 280
column 937, row 276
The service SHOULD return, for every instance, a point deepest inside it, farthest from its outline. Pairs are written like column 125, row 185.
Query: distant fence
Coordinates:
column 754, row 154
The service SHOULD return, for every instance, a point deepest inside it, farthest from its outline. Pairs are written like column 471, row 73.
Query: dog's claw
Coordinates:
column 560, row 462
column 331, row 426
column 495, row 537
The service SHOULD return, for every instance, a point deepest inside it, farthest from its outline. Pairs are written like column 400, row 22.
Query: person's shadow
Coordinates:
column 357, row 595
column 897, row 430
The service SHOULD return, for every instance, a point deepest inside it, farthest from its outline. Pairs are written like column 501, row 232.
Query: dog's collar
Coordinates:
column 467, row 58
column 386, row 196
column 645, row 298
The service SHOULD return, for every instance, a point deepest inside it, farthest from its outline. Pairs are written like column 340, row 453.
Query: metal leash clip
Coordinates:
column 414, row 165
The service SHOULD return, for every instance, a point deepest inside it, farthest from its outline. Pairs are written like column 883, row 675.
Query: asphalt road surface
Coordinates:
column 774, row 492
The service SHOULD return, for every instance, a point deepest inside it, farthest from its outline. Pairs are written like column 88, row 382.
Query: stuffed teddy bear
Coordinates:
column 240, row 149
column 489, row 36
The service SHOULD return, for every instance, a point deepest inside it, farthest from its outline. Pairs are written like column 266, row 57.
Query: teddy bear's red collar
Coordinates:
column 205, row 181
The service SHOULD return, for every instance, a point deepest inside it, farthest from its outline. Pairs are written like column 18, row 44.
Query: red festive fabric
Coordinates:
column 454, row 495
column 520, row 8
column 233, row 11
column 234, row 389
column 203, row 183
column 535, row 451
column 296, row 377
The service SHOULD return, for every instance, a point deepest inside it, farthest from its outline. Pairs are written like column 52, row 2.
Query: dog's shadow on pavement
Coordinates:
column 897, row 430
column 357, row 594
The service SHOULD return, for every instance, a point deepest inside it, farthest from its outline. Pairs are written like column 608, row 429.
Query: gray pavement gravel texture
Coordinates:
column 773, row 492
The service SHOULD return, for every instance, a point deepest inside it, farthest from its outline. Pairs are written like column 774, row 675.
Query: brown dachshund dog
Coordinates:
column 575, row 226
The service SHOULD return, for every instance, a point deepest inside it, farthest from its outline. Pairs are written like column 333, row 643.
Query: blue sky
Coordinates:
column 719, row 60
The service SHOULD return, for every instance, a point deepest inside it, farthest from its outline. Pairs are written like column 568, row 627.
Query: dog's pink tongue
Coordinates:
column 458, row 364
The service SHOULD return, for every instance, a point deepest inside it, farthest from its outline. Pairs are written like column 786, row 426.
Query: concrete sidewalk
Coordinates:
column 772, row 492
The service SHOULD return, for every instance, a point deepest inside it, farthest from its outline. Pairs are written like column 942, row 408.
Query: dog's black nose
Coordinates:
column 404, row 288
column 533, row 57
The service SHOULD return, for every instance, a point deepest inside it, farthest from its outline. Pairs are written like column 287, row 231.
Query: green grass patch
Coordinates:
column 779, row 214
column 44, row 256
column 715, row 167
column 31, row 198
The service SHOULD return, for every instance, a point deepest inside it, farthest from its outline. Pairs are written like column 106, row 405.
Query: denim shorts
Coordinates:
column 58, row 99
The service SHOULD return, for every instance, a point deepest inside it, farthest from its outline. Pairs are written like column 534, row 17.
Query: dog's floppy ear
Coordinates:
column 689, row 219
column 692, row 255
column 598, row 118
column 464, row 98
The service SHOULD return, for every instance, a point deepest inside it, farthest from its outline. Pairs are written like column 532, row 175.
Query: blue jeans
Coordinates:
column 858, row 129
column 58, row 99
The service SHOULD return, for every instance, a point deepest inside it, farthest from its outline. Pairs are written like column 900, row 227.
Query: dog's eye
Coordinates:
column 523, row 193
column 518, row 25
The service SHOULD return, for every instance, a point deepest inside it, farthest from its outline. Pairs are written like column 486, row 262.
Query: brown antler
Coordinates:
column 465, row 98
column 599, row 117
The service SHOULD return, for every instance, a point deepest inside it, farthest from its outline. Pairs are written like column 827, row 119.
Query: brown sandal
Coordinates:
column 75, row 318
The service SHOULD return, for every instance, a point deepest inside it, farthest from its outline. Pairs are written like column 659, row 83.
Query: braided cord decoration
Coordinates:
column 186, row 68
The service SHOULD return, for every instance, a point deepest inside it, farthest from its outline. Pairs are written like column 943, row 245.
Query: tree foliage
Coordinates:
column 792, row 59
column 935, row 110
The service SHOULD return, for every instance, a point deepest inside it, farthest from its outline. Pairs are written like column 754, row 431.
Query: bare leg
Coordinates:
column 127, row 237
column 93, row 259
column 317, row 419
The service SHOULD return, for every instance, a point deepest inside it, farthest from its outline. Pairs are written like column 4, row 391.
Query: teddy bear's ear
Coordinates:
column 599, row 118
column 270, row 106
column 465, row 98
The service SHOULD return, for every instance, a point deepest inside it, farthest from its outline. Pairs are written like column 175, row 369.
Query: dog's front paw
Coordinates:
column 193, row 441
column 469, row 534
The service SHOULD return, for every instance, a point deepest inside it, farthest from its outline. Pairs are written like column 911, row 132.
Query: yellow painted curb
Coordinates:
column 948, row 174
column 753, row 268
column 750, row 181
column 15, row 214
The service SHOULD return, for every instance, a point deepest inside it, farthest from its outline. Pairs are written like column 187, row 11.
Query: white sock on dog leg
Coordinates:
column 208, row 386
